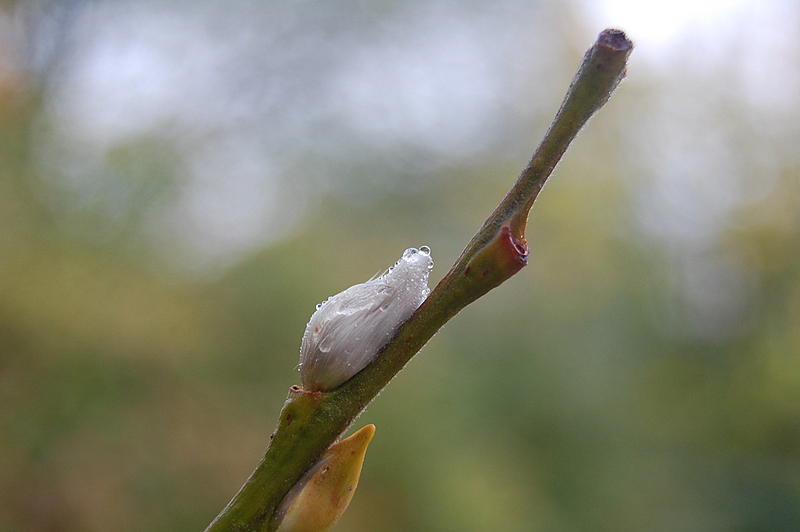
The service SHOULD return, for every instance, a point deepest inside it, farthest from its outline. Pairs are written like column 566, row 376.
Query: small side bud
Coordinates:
column 348, row 330
column 500, row 258
column 322, row 495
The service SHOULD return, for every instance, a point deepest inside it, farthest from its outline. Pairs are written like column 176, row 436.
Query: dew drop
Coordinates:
column 325, row 345
column 410, row 252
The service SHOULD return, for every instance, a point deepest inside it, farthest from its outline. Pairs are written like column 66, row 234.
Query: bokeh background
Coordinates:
column 182, row 181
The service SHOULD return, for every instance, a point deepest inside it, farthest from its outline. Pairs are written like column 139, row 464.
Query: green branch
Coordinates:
column 310, row 422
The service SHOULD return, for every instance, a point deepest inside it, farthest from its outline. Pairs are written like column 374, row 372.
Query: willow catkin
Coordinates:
column 349, row 329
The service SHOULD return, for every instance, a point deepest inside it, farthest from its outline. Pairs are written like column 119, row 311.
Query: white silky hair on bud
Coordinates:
column 348, row 330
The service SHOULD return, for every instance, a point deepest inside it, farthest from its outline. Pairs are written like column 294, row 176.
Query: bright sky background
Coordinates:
column 762, row 33
column 654, row 24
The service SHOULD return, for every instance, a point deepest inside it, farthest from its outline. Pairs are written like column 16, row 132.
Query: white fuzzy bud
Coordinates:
column 348, row 330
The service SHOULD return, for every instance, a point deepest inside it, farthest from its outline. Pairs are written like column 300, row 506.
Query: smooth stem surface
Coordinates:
column 310, row 422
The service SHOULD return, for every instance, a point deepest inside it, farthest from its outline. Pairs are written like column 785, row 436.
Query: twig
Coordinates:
column 311, row 421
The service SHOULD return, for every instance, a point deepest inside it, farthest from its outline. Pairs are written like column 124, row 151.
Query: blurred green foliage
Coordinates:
column 642, row 373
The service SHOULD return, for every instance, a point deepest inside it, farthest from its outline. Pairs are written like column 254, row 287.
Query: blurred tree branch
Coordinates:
column 311, row 421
